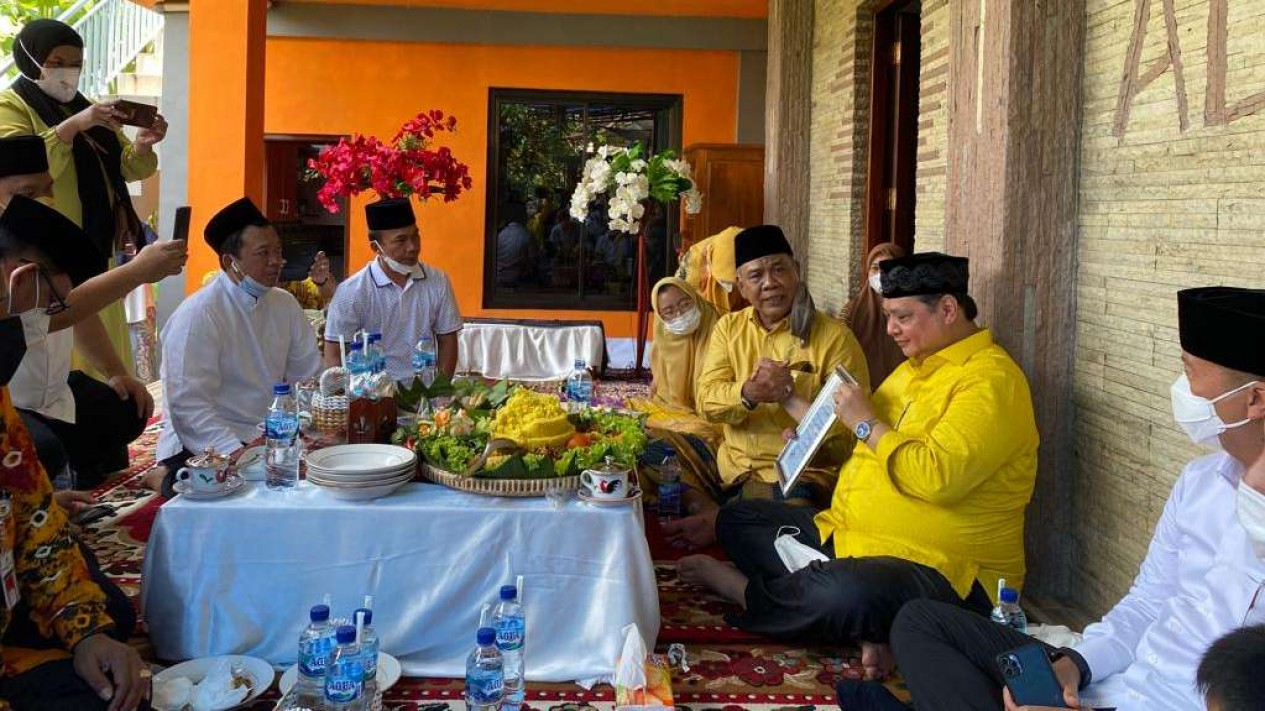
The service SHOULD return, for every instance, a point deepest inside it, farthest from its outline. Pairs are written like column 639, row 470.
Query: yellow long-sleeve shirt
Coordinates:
column 752, row 439
column 947, row 486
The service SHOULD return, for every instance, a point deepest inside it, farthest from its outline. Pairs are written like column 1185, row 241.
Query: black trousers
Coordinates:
column 947, row 656
column 841, row 601
column 22, row 631
column 96, row 444
column 54, row 685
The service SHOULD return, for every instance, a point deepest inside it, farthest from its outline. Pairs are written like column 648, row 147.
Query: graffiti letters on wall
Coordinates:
column 1217, row 112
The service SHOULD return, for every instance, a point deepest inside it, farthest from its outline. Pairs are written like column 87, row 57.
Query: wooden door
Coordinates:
column 890, row 185
column 731, row 178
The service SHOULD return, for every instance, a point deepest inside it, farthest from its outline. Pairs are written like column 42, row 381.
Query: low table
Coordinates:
column 530, row 349
column 237, row 575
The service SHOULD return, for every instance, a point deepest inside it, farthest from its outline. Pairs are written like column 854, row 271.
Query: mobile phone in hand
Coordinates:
column 136, row 114
column 92, row 514
column 181, row 231
column 1030, row 677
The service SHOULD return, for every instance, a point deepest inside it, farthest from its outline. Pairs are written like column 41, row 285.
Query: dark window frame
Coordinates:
column 667, row 132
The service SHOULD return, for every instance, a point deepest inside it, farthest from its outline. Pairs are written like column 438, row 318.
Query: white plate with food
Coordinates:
column 389, row 672
column 252, row 464
column 173, row 685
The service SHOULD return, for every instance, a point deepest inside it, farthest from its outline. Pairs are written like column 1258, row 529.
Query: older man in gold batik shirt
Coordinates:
column 763, row 367
column 931, row 503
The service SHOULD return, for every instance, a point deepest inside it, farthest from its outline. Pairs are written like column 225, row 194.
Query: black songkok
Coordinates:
column 237, row 216
column 389, row 214
column 1225, row 325
column 54, row 236
column 924, row 273
column 22, row 155
column 759, row 241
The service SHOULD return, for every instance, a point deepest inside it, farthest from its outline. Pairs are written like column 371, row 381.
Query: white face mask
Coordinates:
column 795, row 555
column 876, row 283
column 684, row 324
column 1251, row 506
column 1198, row 417
column 414, row 270
column 35, row 320
column 61, row 83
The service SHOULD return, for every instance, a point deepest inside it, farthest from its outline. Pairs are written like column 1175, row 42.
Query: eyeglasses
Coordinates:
column 57, row 304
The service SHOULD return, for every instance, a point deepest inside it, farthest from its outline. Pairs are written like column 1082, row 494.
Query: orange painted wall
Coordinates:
column 341, row 87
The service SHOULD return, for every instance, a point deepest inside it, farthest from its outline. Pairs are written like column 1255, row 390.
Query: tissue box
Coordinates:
column 658, row 691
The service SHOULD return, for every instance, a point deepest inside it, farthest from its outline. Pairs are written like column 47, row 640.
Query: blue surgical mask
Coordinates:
column 248, row 284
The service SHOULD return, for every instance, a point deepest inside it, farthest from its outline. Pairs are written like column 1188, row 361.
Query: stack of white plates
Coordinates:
column 359, row 472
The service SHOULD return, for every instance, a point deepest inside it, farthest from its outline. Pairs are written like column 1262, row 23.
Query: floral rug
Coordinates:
column 728, row 669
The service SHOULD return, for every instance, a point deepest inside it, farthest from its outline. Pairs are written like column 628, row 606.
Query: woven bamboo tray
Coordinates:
column 517, row 488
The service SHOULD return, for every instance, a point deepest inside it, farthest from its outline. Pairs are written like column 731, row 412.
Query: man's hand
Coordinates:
column 128, row 680
column 147, row 137
column 129, row 388
column 319, row 273
column 852, row 405
column 72, row 502
column 771, row 382
column 1069, row 678
column 161, row 260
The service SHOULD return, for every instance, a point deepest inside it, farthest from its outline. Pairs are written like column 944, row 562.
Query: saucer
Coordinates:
column 232, row 485
column 634, row 495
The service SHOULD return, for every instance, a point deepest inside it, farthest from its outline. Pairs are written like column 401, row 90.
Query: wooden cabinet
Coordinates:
column 281, row 180
column 731, row 178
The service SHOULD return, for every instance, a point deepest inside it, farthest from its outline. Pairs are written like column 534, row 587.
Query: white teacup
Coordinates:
column 605, row 483
column 206, row 474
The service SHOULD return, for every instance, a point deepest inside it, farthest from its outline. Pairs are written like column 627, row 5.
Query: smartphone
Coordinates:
column 845, row 375
column 1030, row 677
column 182, row 223
column 90, row 515
column 136, row 114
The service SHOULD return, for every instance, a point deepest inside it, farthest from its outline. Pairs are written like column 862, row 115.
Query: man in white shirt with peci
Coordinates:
column 396, row 295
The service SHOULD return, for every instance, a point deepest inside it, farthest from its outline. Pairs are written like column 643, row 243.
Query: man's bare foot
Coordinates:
column 153, row 480
column 693, row 532
column 877, row 661
column 706, row 572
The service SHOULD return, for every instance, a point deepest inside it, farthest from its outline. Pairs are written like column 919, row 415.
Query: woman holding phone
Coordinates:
column 90, row 159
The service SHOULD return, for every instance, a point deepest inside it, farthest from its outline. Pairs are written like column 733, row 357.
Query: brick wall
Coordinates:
column 933, row 127
column 1160, row 209
column 837, row 156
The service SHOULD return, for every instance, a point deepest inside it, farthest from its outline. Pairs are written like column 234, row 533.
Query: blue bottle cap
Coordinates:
column 487, row 636
column 375, row 337
column 579, row 363
column 368, row 615
column 1009, row 596
column 346, row 634
column 319, row 613
column 508, row 592
column 281, row 389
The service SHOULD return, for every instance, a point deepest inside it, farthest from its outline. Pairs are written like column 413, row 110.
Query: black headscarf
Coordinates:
column 98, row 154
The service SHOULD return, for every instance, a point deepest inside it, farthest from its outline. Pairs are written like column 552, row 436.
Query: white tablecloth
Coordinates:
column 237, row 575
column 528, row 352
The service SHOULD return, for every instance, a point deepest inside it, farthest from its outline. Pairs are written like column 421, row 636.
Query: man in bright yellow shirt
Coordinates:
column 764, row 365
column 931, row 503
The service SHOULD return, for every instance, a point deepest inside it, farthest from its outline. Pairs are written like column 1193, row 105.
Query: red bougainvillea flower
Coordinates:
column 758, row 671
column 406, row 167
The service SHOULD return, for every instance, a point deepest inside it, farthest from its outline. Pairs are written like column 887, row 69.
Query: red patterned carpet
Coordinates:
column 728, row 668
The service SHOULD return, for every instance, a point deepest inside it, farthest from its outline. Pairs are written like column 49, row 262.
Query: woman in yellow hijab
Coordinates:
column 682, row 328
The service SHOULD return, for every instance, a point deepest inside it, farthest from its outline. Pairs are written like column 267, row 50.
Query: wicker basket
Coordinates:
column 517, row 488
column 329, row 416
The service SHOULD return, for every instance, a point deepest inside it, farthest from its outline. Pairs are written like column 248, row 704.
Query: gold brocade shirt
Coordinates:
column 947, row 486
column 53, row 579
column 753, row 439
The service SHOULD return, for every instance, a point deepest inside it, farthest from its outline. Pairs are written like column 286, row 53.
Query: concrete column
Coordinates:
column 173, row 185
column 788, row 106
column 1014, row 133
column 226, row 112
